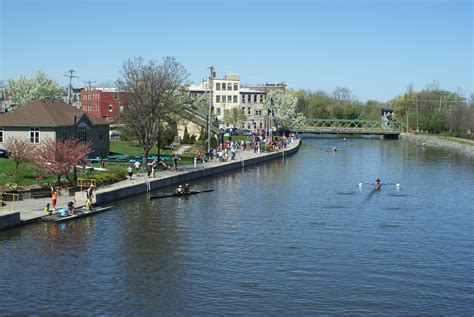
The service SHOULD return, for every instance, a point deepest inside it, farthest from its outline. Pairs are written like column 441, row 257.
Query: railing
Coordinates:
column 350, row 126
column 85, row 182
column 13, row 198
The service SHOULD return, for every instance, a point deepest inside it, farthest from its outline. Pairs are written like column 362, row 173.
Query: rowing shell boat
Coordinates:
column 79, row 214
column 181, row 195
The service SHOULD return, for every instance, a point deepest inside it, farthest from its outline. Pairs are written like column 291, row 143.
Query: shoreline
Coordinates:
column 437, row 142
column 31, row 210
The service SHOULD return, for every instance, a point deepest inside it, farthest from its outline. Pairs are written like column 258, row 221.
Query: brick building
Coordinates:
column 106, row 103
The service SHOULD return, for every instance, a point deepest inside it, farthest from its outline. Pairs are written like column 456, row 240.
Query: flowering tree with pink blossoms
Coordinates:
column 60, row 157
column 20, row 151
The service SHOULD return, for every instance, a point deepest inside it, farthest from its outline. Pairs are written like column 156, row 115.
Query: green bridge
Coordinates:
column 389, row 129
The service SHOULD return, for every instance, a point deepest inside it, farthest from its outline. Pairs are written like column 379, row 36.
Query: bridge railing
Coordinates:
column 354, row 125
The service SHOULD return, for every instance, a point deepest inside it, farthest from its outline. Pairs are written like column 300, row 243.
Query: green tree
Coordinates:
column 186, row 137
column 38, row 87
column 234, row 116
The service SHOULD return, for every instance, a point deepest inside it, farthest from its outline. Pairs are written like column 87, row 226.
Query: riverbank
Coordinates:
column 466, row 147
column 31, row 210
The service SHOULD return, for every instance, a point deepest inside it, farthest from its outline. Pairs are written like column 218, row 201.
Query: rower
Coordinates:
column 186, row 189
column 378, row 183
column 179, row 190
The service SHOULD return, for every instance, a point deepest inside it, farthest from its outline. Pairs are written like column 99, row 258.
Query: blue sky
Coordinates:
column 374, row 48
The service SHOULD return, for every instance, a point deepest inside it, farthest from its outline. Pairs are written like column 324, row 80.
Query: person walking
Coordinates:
column 154, row 165
column 129, row 171
column 137, row 167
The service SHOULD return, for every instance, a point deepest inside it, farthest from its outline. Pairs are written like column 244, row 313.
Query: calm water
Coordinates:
column 292, row 237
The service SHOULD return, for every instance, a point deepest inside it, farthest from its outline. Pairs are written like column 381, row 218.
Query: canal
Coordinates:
column 292, row 237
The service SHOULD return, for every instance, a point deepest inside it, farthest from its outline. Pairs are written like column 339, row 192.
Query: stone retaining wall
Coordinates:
column 109, row 195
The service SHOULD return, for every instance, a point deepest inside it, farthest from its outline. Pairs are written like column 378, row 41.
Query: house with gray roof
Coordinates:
column 57, row 120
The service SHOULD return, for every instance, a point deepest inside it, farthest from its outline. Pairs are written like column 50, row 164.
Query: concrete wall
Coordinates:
column 134, row 189
column 9, row 220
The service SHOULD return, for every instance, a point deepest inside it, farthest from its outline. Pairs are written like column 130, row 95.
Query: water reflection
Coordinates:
column 297, row 237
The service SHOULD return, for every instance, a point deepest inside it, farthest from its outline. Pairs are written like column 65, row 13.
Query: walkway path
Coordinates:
column 32, row 209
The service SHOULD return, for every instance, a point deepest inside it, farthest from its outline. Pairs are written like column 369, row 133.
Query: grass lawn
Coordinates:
column 27, row 174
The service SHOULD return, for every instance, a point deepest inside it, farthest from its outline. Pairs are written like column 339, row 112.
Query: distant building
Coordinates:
column 106, row 103
column 227, row 93
column 75, row 97
column 56, row 120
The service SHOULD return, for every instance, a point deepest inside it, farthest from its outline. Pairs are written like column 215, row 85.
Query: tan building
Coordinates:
column 39, row 120
column 227, row 93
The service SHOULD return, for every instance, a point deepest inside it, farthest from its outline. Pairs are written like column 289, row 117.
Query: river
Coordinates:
column 292, row 237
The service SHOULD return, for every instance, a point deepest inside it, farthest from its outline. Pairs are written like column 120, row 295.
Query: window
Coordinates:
column 218, row 98
column 218, row 86
column 236, row 86
column 243, row 125
column 261, row 125
column 261, row 98
column 255, row 98
column 218, row 111
column 111, row 108
column 223, row 86
column 243, row 109
column 249, row 110
column 81, row 134
column 229, row 98
column 34, row 135
column 229, row 86
column 235, row 99
column 243, row 98
column 1, row 135
column 258, row 112
column 250, row 98
column 116, row 96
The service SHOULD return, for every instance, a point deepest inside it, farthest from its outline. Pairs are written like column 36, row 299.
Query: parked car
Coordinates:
column 231, row 131
column 246, row 132
column 3, row 153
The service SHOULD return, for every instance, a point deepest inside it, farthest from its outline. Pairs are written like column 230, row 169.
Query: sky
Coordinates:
column 374, row 48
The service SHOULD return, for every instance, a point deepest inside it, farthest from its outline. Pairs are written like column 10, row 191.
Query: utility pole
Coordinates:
column 211, row 86
column 89, row 94
column 71, row 76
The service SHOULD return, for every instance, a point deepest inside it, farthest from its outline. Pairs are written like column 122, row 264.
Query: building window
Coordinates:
column 223, row 86
column 243, row 125
column 1, row 135
column 218, row 98
column 243, row 109
column 255, row 98
column 258, row 112
column 229, row 86
column 261, row 98
column 236, row 87
column 111, row 108
column 34, row 135
column 229, row 98
column 250, row 98
column 249, row 110
column 235, row 99
column 218, row 86
column 261, row 125
column 218, row 111
column 116, row 96
column 81, row 134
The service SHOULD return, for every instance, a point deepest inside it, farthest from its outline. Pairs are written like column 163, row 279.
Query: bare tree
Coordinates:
column 153, row 97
